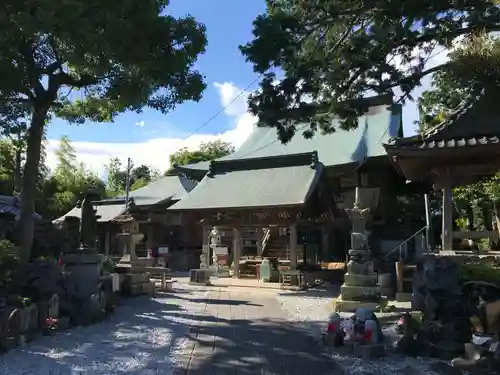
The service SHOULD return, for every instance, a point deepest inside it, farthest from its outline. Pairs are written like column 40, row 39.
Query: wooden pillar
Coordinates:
column 447, row 235
column 236, row 251
column 150, row 237
column 258, row 237
column 325, row 243
column 205, row 247
column 293, row 246
column 107, row 243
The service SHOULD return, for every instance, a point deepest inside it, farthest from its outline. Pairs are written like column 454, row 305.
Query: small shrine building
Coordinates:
column 148, row 207
column 459, row 151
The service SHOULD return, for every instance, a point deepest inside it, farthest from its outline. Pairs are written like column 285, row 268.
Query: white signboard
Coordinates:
column 163, row 250
column 221, row 250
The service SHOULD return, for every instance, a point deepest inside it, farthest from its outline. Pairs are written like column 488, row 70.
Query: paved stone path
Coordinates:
column 248, row 333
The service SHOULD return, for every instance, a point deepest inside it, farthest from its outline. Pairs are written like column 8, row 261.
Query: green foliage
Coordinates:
column 480, row 272
column 206, row 152
column 108, row 265
column 68, row 183
column 117, row 177
column 334, row 53
column 462, row 223
column 9, row 262
column 458, row 84
column 7, row 167
column 90, row 60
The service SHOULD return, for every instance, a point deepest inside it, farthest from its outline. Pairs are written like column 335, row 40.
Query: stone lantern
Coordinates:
column 128, row 238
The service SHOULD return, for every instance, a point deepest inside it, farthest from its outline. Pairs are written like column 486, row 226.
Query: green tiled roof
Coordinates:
column 169, row 187
column 375, row 128
column 165, row 188
column 106, row 212
column 472, row 124
column 257, row 182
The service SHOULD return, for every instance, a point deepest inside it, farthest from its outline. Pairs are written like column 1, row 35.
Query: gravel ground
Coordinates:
column 144, row 335
column 313, row 307
column 141, row 337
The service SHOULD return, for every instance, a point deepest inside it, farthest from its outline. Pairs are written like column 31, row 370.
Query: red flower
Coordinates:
column 50, row 322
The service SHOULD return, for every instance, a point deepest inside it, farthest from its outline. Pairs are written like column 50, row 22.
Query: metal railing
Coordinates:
column 400, row 246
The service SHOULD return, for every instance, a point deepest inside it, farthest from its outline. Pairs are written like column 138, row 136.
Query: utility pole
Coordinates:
column 127, row 184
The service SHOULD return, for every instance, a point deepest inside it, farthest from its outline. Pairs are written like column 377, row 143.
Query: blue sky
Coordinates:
column 149, row 137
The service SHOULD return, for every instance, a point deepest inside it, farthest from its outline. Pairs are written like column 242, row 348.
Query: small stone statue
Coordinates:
column 334, row 335
column 87, row 224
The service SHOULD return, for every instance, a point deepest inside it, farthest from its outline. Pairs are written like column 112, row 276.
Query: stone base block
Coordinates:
column 360, row 280
column 360, row 293
column 200, row 276
column 138, row 289
column 136, row 278
column 351, row 306
column 403, row 297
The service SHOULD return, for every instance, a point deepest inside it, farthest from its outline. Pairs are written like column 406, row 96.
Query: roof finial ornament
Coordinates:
column 211, row 169
column 314, row 159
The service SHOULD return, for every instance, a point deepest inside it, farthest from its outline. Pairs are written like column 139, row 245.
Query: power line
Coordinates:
column 244, row 91
column 225, row 107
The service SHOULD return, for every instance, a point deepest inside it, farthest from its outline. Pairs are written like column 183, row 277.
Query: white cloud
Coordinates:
column 140, row 123
column 155, row 151
column 232, row 98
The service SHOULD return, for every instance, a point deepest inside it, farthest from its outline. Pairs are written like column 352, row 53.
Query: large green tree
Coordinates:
column 206, row 152
column 114, row 57
column 68, row 183
column 333, row 53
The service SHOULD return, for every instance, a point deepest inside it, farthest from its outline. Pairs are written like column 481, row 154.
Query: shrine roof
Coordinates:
column 166, row 188
column 255, row 182
column 382, row 122
column 469, row 126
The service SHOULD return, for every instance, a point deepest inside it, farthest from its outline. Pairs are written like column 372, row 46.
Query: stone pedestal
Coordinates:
column 360, row 288
column 86, row 270
column 135, row 280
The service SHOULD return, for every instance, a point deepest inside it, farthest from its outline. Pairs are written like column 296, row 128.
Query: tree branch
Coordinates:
column 409, row 78
column 32, row 71
column 52, row 68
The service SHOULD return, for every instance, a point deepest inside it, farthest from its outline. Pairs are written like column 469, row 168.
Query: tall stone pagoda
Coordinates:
column 360, row 288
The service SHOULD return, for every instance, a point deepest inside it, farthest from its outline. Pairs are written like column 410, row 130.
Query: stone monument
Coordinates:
column 360, row 288
column 135, row 280
column 201, row 276
column 88, row 224
column 85, row 266
column 219, row 254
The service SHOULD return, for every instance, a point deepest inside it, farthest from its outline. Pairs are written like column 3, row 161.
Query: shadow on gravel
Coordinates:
column 138, row 339
column 324, row 291
column 263, row 346
column 209, row 301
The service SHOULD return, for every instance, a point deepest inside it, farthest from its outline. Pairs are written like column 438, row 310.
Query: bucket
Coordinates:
column 385, row 283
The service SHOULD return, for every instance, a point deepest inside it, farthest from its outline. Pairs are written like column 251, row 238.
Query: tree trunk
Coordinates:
column 33, row 150
column 496, row 210
column 18, row 181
